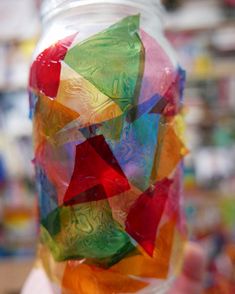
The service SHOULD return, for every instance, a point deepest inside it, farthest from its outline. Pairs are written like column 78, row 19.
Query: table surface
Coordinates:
column 13, row 274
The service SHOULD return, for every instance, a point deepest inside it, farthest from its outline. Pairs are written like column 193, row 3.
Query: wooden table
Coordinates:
column 13, row 273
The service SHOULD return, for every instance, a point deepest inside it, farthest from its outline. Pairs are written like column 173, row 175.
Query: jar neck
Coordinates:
column 102, row 10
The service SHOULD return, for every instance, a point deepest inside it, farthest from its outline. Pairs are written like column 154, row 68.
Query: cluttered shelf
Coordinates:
column 203, row 33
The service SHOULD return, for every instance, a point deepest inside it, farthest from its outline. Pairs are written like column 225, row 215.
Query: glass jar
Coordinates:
column 105, row 100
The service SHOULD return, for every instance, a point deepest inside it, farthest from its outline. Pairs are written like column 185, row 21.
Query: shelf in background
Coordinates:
column 197, row 15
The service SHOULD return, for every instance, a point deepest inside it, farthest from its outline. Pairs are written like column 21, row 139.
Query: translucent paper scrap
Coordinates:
column 115, row 62
column 45, row 70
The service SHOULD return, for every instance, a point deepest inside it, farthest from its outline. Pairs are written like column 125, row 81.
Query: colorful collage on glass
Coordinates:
column 108, row 157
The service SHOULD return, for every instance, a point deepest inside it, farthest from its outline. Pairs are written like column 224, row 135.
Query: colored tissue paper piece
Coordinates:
column 95, row 166
column 177, row 251
column 144, row 266
column 180, row 127
column 141, row 109
column 85, row 231
column 45, row 70
column 163, row 248
column 174, row 209
column 159, row 107
column 159, row 71
column 58, row 163
column 78, row 94
column 93, row 194
column 170, row 151
column 90, row 131
column 174, row 94
column 112, row 129
column 182, row 82
column 51, row 117
column 33, row 98
column 121, row 204
column 145, row 215
column 47, row 195
column 173, row 206
column 113, row 61
column 136, row 149
column 85, row 279
column 68, row 135
column 52, row 223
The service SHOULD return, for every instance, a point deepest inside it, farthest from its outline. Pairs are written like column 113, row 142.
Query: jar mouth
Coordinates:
column 49, row 8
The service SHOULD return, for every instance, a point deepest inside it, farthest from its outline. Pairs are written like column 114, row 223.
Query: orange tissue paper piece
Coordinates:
column 51, row 116
column 169, row 153
column 148, row 267
column 86, row 279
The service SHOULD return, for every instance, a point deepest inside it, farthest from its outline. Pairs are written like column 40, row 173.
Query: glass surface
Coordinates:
column 105, row 100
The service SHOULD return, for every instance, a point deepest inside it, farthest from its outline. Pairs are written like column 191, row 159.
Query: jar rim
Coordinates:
column 50, row 6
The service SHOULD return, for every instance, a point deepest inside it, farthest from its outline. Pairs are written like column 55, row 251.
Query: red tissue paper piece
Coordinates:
column 97, row 174
column 145, row 215
column 45, row 70
column 174, row 94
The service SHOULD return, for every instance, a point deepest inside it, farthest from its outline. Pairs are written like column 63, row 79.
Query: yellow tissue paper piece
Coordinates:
column 78, row 94
column 169, row 153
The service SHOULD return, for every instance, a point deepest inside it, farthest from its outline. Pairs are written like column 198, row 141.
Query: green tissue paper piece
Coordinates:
column 86, row 231
column 113, row 61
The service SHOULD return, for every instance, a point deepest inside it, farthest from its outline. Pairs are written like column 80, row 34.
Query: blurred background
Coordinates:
column 203, row 33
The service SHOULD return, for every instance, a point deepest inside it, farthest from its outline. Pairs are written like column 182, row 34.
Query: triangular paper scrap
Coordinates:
column 95, row 165
column 86, row 230
column 145, row 215
column 51, row 116
column 142, row 265
column 170, row 150
column 80, row 95
column 112, row 60
column 45, row 70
